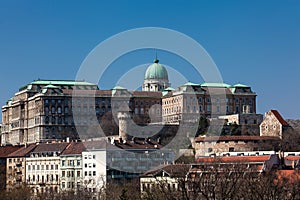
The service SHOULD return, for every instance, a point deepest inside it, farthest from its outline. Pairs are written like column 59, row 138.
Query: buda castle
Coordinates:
column 47, row 110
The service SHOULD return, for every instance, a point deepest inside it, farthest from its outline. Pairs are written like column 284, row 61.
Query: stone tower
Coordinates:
column 123, row 118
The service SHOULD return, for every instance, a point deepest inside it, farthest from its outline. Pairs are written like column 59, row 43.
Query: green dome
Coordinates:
column 156, row 71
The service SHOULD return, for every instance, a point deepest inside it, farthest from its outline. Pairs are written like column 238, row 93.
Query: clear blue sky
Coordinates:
column 252, row 42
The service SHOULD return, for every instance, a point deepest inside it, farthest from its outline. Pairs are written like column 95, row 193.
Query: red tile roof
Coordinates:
column 292, row 158
column 279, row 118
column 234, row 159
column 6, row 150
column 234, row 138
column 50, row 147
column 74, row 148
column 23, row 151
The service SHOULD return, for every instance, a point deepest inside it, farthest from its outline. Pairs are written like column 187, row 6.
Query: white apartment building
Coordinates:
column 71, row 167
column 43, row 167
column 94, row 169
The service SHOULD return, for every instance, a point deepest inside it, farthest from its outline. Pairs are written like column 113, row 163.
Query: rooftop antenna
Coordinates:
column 156, row 60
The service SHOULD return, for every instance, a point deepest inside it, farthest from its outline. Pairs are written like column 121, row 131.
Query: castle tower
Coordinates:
column 123, row 118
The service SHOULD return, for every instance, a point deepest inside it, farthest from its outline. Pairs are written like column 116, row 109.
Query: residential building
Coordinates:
column 43, row 167
column 117, row 160
column 4, row 171
column 94, row 165
column 273, row 124
column 71, row 176
column 16, row 166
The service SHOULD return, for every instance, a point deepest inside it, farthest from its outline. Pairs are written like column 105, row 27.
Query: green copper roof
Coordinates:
column 191, row 84
column 240, row 85
column 221, row 85
column 50, row 86
column 60, row 82
column 169, row 89
column 119, row 88
column 156, row 71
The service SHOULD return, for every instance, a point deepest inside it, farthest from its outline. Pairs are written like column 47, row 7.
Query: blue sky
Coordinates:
column 252, row 42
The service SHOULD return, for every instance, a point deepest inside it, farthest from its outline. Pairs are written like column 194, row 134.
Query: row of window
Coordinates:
column 42, row 178
column 71, row 163
column 90, row 165
column 89, row 157
column 90, row 173
column 42, row 167
column 92, row 109
column 69, row 185
column 70, row 173
column 208, row 100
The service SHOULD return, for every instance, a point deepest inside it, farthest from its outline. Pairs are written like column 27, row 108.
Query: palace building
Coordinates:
column 47, row 110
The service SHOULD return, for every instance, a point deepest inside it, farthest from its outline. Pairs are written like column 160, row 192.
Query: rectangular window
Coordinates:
column 78, row 173
column 94, row 173
column 63, row 173
column 66, row 110
column 52, row 109
column 59, row 110
column 208, row 108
